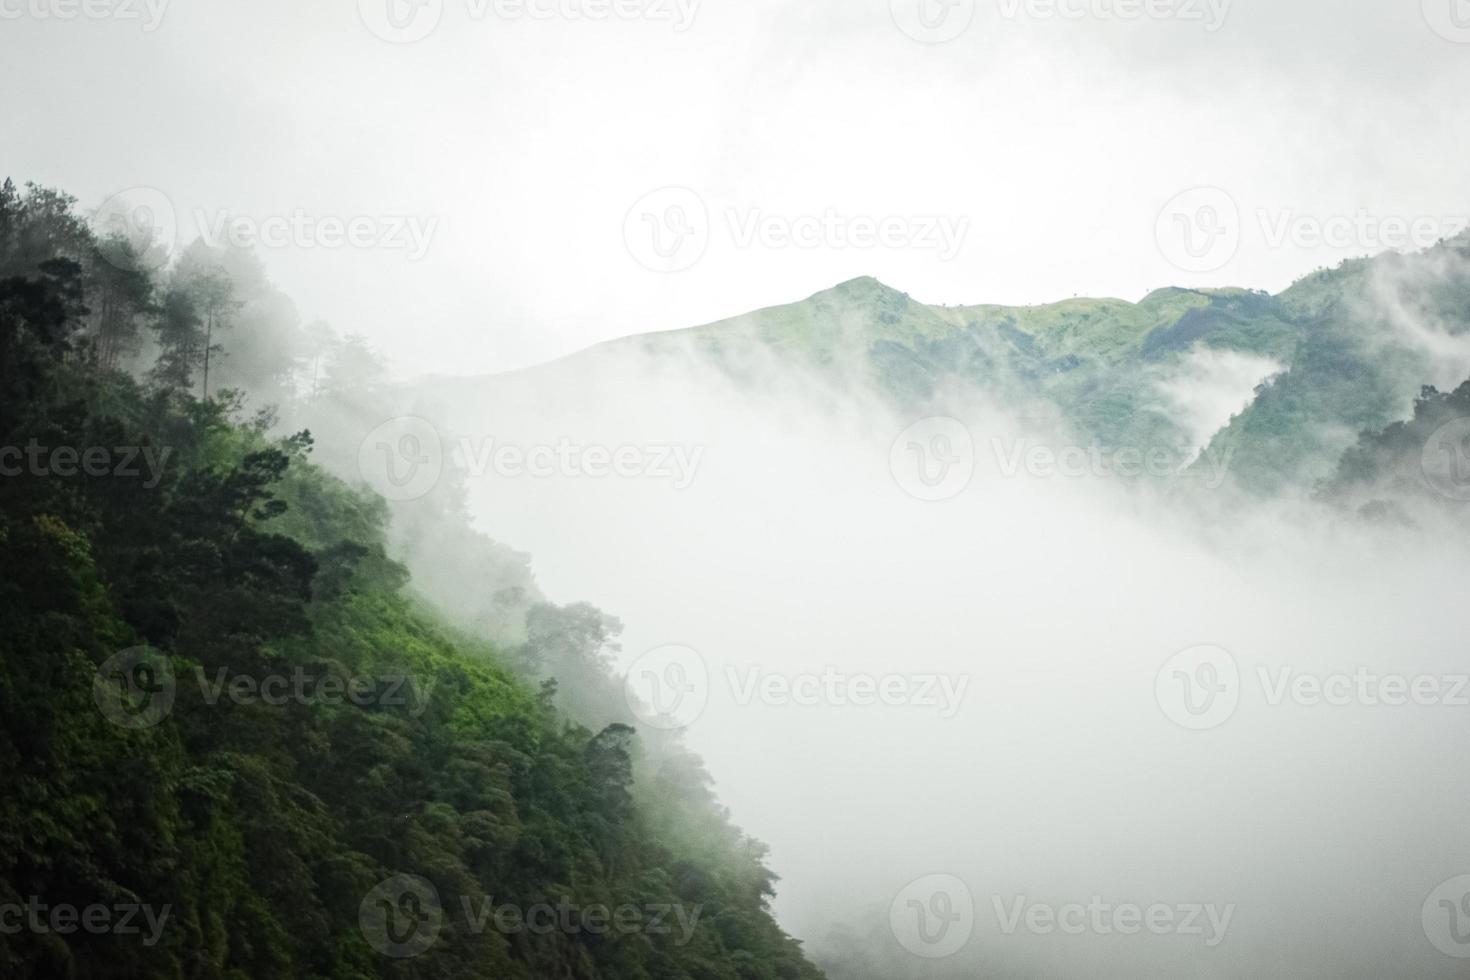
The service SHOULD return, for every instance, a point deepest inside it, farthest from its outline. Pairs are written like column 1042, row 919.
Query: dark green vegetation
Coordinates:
column 262, row 827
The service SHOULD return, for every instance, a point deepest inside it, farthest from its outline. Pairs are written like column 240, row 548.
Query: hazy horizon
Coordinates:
column 520, row 145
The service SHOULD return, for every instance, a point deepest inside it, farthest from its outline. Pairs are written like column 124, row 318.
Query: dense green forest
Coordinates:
column 230, row 719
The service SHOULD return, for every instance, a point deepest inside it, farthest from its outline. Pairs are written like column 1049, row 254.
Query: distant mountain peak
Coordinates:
column 862, row 286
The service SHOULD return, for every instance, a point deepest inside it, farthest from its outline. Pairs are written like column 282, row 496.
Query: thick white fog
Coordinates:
column 1001, row 701
column 995, row 710
column 1057, row 131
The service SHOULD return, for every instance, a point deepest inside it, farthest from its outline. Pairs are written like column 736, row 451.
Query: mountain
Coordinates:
column 1281, row 385
column 241, row 742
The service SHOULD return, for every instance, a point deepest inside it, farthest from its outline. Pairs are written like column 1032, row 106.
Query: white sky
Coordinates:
column 528, row 141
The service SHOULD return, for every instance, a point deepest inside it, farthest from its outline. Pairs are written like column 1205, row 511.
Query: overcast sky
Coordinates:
column 990, row 151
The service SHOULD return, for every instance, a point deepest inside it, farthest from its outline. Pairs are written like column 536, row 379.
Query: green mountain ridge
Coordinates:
column 1347, row 361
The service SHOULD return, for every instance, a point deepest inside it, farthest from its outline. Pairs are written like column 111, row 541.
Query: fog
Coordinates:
column 997, row 707
column 1035, row 631
column 525, row 141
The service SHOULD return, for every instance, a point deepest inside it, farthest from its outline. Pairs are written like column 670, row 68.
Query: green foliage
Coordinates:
column 1415, row 465
column 263, row 827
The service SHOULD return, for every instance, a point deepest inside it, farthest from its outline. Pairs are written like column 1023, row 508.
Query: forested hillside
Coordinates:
column 226, row 709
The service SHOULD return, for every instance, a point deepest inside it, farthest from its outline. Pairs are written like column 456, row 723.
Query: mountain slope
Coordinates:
column 225, row 717
column 1340, row 352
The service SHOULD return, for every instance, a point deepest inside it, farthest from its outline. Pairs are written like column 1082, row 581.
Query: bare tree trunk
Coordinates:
column 208, row 340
